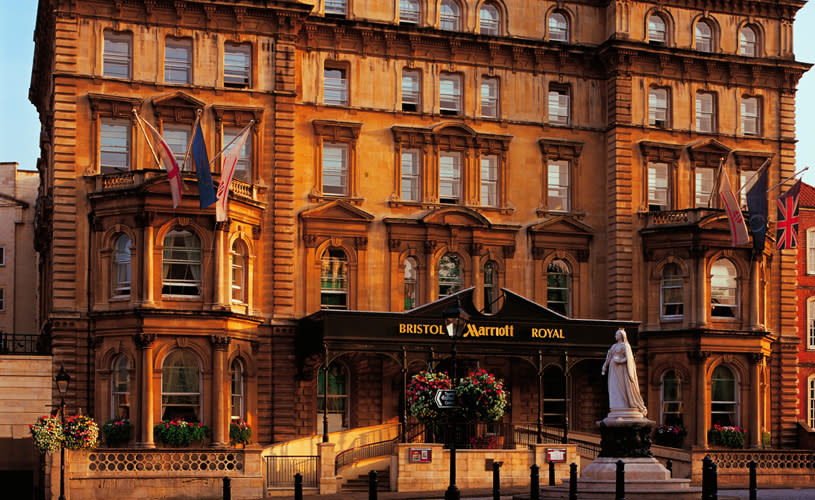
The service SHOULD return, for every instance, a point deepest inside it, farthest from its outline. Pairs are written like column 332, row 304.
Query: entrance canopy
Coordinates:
column 519, row 328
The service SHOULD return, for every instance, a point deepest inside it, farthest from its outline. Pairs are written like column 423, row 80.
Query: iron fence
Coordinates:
column 372, row 450
column 280, row 471
column 17, row 343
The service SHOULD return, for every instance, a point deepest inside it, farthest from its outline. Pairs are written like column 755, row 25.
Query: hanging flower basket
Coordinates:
column 47, row 433
column 81, row 432
column 421, row 392
column 481, row 396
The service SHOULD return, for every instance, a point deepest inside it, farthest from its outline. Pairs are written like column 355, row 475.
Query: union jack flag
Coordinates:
column 787, row 230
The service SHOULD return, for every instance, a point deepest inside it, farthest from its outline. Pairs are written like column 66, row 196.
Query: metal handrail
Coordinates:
column 280, row 470
column 371, row 450
column 17, row 343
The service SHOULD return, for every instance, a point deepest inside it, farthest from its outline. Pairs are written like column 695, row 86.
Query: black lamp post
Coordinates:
column 455, row 321
column 63, row 379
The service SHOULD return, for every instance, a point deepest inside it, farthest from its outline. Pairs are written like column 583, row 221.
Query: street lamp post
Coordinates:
column 455, row 321
column 63, row 379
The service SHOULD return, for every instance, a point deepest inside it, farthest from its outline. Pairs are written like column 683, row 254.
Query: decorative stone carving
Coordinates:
column 220, row 342
column 632, row 440
column 144, row 340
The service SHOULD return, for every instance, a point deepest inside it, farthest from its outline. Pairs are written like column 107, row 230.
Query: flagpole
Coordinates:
column 192, row 135
column 793, row 176
column 251, row 122
column 755, row 175
column 141, row 127
column 716, row 182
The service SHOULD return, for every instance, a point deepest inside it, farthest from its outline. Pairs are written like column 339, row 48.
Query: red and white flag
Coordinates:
column 167, row 158
column 228, row 161
column 738, row 229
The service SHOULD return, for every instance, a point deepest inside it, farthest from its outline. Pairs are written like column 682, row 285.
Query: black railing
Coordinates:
column 17, row 343
column 280, row 471
column 372, row 450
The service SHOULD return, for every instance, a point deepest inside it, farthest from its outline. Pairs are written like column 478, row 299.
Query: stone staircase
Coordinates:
column 360, row 483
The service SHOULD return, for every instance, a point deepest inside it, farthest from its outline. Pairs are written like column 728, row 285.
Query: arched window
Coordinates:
column 337, row 397
column 181, row 266
column 811, row 401
column 724, row 289
column 723, row 397
column 411, row 283
column 558, row 27
column 704, row 36
column 672, row 292
column 120, row 388
column 554, row 396
column 748, row 42
column 239, row 273
column 334, row 279
column 121, row 266
column 810, row 328
column 409, row 11
column 672, row 405
column 238, row 399
column 657, row 31
column 449, row 275
column 558, row 285
column 489, row 20
column 450, row 16
column 181, row 387
column 490, row 287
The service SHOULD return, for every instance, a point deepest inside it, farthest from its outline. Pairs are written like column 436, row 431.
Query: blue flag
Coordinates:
column 757, row 207
column 206, row 190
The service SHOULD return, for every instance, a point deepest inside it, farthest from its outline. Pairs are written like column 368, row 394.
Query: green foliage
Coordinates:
column 481, row 397
column 47, row 433
column 81, row 432
column 670, row 435
column 179, row 432
column 727, row 436
column 421, row 392
column 117, row 431
column 240, row 432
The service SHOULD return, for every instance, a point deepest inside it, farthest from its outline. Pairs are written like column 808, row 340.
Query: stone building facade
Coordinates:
column 401, row 151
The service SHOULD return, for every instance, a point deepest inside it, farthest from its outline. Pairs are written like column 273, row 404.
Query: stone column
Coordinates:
column 755, row 296
column 703, row 310
column 700, row 358
column 327, row 480
column 148, row 264
column 754, row 413
column 144, row 342
column 222, row 289
column 220, row 343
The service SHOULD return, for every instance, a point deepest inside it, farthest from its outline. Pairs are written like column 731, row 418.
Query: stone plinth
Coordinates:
column 625, row 437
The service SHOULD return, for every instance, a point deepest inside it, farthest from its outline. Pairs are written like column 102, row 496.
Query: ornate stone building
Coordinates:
column 402, row 151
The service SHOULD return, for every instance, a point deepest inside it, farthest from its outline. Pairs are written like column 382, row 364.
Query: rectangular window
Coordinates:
column 178, row 61
column 810, row 251
column 409, row 11
column 449, row 177
column 410, row 175
column 237, row 65
column 705, row 115
column 811, row 323
column 411, row 90
column 657, row 186
column 557, row 185
column 489, row 97
column 811, row 401
column 335, row 169
column 243, row 169
column 2, row 256
column 745, row 176
column 116, row 55
column 335, row 7
column 2, row 299
column 750, row 119
column 335, row 87
column 703, row 186
column 658, row 107
column 489, row 180
column 449, row 94
column 114, row 146
column 559, row 106
column 178, row 138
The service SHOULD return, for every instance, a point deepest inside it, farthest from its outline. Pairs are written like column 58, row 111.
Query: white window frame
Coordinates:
column 811, row 400
column 2, row 256
column 411, row 284
column 111, row 132
column 748, row 46
column 810, row 326
column 724, row 289
column 810, row 255
column 450, row 284
column 190, row 263
column 490, row 97
column 239, row 260
column 489, row 180
column 659, row 184
column 489, row 19
column 704, row 41
column 705, row 112
column 558, row 27
column 117, row 55
column 335, row 169
column 734, row 402
column 411, row 90
column 450, row 15
column 335, row 86
column 555, row 268
column 450, row 92
column 328, row 260
column 409, row 11
column 238, row 396
column 2, row 299
column 237, row 65
column 558, row 185
column 116, row 394
column 450, row 177
column 410, row 173
column 178, row 138
column 658, row 107
column 243, row 167
column 665, row 403
column 702, row 186
column 750, row 114
column 198, row 395
column 559, row 105
column 671, row 282
column 121, row 287
column 336, row 7
column 173, row 64
column 657, row 29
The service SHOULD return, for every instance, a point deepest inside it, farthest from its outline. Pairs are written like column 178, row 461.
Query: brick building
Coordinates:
column 401, row 152
column 806, row 308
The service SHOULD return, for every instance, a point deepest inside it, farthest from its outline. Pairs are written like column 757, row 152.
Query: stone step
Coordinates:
column 360, row 483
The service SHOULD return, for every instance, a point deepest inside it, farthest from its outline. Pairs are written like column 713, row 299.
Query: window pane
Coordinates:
column 238, row 255
column 409, row 11
column 672, row 291
column 747, row 42
column 489, row 20
column 410, row 90
column 180, row 387
column 656, row 29
column 558, row 282
column 723, row 289
column 704, row 37
column 178, row 139
column 449, row 275
column 704, row 112
column 704, row 186
column 559, row 106
column 489, row 97
column 335, row 7
column 450, row 94
column 237, row 65
column 449, row 177
column 114, row 146
column 116, row 57
column 749, row 116
column 557, row 185
column 335, row 169
column 672, row 404
column 490, row 287
column 658, row 107
column 178, row 61
column 336, row 87
column 811, row 323
column 558, row 28
column 657, row 186
column 334, row 279
column 489, row 180
column 243, row 168
column 410, row 175
column 121, row 266
column 181, row 264
column 810, row 251
column 411, row 280
column 450, row 16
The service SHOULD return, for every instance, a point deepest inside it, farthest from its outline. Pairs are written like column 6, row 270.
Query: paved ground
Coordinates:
column 790, row 494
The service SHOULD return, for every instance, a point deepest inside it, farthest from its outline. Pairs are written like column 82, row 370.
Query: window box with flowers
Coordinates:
column 727, row 436
column 240, row 433
column 117, row 432
column 47, row 433
column 670, row 435
column 179, row 432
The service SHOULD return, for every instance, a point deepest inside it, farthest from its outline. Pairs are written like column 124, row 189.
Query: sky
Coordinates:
column 20, row 129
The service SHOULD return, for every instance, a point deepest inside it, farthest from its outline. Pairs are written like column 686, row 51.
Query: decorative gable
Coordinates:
column 178, row 107
column 708, row 153
column 335, row 219
column 563, row 232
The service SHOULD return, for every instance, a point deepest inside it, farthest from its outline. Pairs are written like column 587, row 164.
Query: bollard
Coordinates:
column 227, row 489
column 714, row 482
column 496, row 480
column 298, row 486
column 706, row 463
column 573, row 481
column 372, row 485
column 753, row 490
column 620, row 493
column 670, row 466
column 534, row 484
column 551, row 473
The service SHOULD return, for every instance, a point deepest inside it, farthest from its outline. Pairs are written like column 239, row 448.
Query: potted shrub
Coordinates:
column 47, row 433
column 727, row 436
column 179, row 432
column 117, row 431
column 670, row 435
column 240, row 433
column 81, row 432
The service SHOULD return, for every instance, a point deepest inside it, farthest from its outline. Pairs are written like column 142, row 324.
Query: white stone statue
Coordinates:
column 623, row 387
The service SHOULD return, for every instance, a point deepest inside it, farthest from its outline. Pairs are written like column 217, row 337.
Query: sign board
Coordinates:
column 556, row 455
column 420, row 455
column 446, row 398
